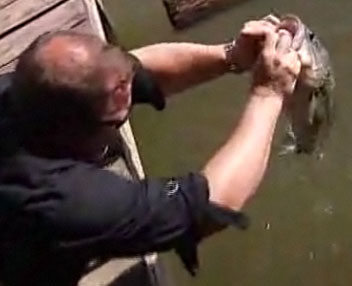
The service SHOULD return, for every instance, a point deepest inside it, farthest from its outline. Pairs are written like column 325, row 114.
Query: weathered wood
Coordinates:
column 4, row 3
column 63, row 17
column 106, row 274
column 94, row 18
column 107, row 23
column 83, row 27
column 9, row 67
column 184, row 13
column 17, row 12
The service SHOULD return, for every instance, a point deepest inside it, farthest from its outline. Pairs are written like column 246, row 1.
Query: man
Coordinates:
column 59, row 210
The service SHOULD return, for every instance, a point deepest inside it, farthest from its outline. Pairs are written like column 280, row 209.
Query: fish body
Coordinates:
column 310, row 110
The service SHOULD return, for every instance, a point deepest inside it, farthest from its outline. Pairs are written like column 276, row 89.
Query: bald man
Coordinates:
column 59, row 210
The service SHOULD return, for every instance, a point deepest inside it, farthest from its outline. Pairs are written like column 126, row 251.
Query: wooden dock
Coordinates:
column 21, row 21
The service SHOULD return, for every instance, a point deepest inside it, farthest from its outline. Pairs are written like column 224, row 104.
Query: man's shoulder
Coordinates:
column 35, row 171
column 61, row 174
column 28, row 182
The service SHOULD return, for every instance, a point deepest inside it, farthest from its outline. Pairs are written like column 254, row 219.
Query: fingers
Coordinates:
column 293, row 62
column 271, row 18
column 284, row 41
column 249, row 43
column 266, row 40
column 270, row 43
column 305, row 59
column 291, row 67
column 278, row 65
column 258, row 28
column 263, row 30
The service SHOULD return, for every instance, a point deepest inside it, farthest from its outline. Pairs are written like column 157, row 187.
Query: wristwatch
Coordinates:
column 229, row 50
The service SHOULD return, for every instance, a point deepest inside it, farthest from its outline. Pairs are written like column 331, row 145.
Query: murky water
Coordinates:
column 301, row 231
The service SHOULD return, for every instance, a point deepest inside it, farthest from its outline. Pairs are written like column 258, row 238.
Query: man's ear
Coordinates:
column 118, row 103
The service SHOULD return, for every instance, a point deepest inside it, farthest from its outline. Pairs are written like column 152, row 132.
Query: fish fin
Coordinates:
column 312, row 107
column 287, row 149
column 289, row 145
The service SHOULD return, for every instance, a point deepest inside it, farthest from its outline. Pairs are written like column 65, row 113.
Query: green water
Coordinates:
column 302, row 217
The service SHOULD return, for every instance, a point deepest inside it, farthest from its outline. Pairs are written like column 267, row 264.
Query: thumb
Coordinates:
column 270, row 42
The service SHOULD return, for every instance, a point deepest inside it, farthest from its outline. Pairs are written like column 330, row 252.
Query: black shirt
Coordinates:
column 58, row 215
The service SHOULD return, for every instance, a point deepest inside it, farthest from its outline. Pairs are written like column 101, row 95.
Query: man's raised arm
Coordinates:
column 178, row 66
column 236, row 170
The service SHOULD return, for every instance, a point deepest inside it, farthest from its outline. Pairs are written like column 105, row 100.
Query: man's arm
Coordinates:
column 178, row 66
column 235, row 172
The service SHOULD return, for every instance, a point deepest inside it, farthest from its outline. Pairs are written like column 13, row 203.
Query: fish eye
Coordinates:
column 311, row 35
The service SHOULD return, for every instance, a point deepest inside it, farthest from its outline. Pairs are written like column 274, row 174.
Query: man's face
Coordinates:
column 118, row 73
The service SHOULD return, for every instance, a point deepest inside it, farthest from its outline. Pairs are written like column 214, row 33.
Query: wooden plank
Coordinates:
column 5, row 3
column 94, row 18
column 9, row 67
column 83, row 27
column 63, row 17
column 19, row 11
column 107, row 23
column 184, row 13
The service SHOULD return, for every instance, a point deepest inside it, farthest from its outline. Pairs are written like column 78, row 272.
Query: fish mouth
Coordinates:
column 290, row 23
column 294, row 25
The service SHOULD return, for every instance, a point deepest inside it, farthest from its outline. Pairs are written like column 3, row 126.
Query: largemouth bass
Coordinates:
column 310, row 110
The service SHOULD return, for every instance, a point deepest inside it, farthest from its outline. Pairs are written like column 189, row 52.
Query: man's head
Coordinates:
column 66, row 85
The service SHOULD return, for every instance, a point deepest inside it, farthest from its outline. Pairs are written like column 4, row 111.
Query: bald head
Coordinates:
column 69, row 58
column 62, row 58
column 62, row 84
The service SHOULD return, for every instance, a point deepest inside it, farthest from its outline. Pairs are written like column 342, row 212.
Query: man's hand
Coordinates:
column 248, row 44
column 278, row 64
column 236, row 170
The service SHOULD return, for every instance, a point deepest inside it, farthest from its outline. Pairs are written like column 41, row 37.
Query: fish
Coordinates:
column 310, row 111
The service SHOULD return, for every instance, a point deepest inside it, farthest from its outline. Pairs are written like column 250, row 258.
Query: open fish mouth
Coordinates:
column 292, row 23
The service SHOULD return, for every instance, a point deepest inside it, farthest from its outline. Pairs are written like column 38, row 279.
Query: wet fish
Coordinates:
column 310, row 112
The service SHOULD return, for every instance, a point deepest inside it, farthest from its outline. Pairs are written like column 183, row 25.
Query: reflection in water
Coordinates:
column 302, row 218
column 267, row 226
column 323, row 208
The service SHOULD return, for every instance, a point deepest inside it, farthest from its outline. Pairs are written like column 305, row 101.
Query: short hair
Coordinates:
column 47, row 103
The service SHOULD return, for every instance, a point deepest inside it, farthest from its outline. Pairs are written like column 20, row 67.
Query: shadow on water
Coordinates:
column 302, row 216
